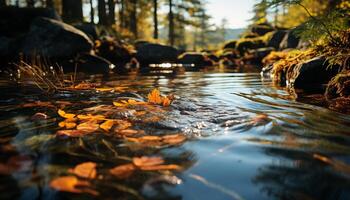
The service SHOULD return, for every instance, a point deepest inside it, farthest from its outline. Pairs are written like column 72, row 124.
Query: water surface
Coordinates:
column 246, row 140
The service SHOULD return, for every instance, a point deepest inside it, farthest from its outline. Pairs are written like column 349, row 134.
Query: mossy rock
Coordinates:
column 261, row 29
column 339, row 86
column 243, row 45
column 230, row 44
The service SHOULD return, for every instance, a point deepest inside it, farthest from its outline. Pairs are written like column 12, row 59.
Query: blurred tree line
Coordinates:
column 312, row 19
column 181, row 23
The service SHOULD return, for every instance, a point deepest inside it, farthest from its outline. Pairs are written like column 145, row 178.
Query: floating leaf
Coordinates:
column 104, row 89
column 91, row 117
column 123, row 171
column 71, row 133
column 155, row 98
column 160, row 167
column 174, row 139
column 72, row 184
column 65, row 115
column 88, row 127
column 107, row 125
column 128, row 132
column 130, row 102
column 147, row 161
column 66, row 124
column 85, row 170
column 121, row 125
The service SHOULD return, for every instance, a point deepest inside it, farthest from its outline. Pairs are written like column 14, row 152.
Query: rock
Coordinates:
column 258, row 54
column 114, row 51
column 248, row 44
column 156, row 53
column 290, row 40
column 89, row 29
column 261, row 29
column 15, row 21
column 139, row 43
column 93, row 64
column 198, row 59
column 213, row 57
column 339, row 86
column 311, row 74
column 87, row 63
column 276, row 39
column 54, row 39
column 230, row 44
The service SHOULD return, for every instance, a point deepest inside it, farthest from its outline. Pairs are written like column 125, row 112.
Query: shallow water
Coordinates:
column 246, row 140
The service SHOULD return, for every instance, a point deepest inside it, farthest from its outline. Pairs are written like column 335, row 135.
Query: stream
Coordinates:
column 245, row 139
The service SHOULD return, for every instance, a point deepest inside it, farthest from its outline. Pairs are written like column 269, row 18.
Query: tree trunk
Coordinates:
column 92, row 12
column 171, row 24
column 155, row 18
column 133, row 19
column 49, row 4
column 122, row 14
column 111, row 12
column 30, row 3
column 102, row 15
column 72, row 10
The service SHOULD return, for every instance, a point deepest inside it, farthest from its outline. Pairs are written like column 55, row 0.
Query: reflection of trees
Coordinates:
column 298, row 176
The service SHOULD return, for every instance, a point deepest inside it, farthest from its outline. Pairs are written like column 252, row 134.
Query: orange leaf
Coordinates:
column 128, row 132
column 85, row 170
column 68, row 125
column 147, row 161
column 160, row 167
column 174, row 139
column 123, row 171
column 154, row 97
column 65, row 115
column 72, row 184
column 71, row 133
column 88, row 127
column 107, row 125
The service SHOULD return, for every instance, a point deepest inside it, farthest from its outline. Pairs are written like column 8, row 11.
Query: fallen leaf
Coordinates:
column 88, row 127
column 174, row 139
column 121, row 125
column 39, row 104
column 85, row 170
column 91, row 117
column 107, row 125
column 123, row 171
column 104, row 89
column 160, row 167
column 68, row 125
column 147, row 161
column 72, row 184
column 128, row 132
column 65, row 115
column 155, row 98
column 71, row 133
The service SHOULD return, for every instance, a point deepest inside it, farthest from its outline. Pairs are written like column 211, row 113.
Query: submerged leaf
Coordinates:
column 71, row 133
column 123, row 171
column 72, row 184
column 107, row 125
column 147, row 161
column 88, row 127
column 85, row 170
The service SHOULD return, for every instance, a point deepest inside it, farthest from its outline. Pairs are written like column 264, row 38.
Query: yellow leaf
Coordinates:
column 104, row 89
column 107, row 125
column 65, row 115
column 154, row 97
column 119, row 104
column 67, row 124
